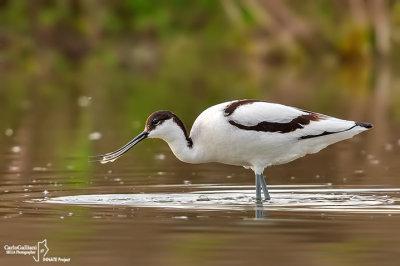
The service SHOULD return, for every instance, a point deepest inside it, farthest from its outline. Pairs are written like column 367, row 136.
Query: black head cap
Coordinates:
column 157, row 118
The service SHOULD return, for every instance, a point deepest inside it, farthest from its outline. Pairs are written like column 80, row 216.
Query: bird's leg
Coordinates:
column 264, row 187
column 258, row 189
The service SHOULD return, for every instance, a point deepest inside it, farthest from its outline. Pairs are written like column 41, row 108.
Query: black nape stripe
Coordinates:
column 297, row 123
column 182, row 126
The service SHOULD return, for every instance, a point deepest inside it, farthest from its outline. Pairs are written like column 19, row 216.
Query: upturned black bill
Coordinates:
column 112, row 156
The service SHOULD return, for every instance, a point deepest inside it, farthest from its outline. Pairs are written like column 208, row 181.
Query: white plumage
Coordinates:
column 250, row 133
column 256, row 112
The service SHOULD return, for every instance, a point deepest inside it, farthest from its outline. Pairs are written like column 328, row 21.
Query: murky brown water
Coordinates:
column 338, row 207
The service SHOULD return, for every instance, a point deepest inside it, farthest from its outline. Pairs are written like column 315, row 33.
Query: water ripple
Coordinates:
column 321, row 198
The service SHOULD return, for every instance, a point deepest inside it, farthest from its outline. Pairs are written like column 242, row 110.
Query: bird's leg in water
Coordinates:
column 258, row 188
column 264, row 186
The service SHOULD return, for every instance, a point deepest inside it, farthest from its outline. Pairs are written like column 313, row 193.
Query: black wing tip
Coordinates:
column 365, row 125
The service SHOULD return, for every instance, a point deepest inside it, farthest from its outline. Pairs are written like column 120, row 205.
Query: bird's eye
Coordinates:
column 155, row 121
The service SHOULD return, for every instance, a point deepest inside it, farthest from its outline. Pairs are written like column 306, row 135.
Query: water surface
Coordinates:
column 337, row 207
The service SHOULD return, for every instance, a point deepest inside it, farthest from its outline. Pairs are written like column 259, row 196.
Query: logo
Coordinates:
column 38, row 252
column 41, row 249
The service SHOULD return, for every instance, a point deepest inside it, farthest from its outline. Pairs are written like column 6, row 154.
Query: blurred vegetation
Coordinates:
column 45, row 36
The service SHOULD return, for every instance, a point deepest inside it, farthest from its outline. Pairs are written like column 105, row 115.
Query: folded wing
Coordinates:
column 270, row 117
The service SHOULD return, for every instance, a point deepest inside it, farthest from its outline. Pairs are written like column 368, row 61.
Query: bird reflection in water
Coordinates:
column 259, row 210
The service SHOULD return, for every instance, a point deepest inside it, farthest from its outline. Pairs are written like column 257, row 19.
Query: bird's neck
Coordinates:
column 182, row 151
column 181, row 143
